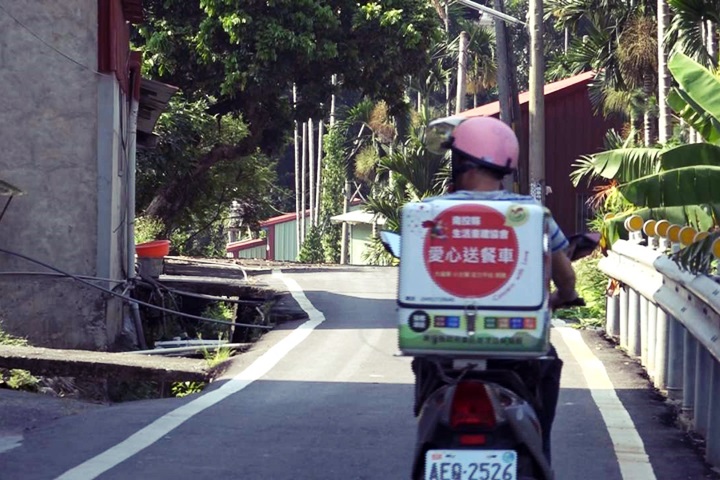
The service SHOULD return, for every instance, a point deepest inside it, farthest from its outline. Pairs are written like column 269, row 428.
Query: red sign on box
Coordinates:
column 469, row 251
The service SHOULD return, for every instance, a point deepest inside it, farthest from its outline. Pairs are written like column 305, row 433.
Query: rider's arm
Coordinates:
column 563, row 275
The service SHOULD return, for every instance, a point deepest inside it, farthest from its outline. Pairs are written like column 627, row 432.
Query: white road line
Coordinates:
column 629, row 447
column 168, row 422
column 8, row 442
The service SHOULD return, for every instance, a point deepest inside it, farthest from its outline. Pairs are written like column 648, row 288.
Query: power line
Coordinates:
column 41, row 40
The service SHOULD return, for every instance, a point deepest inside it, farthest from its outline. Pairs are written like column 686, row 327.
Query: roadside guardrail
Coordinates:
column 669, row 319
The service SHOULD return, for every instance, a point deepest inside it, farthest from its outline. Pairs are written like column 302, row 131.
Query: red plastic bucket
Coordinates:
column 154, row 249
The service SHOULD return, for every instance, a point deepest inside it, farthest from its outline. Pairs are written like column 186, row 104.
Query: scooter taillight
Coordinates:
column 472, row 406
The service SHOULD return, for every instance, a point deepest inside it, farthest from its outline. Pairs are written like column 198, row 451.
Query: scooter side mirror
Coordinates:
column 391, row 242
column 582, row 245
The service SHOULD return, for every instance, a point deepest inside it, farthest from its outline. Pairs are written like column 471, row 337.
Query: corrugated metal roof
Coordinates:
column 284, row 218
column 154, row 99
column 245, row 244
column 491, row 109
column 358, row 216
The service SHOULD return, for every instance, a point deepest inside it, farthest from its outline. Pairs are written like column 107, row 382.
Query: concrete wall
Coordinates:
column 60, row 144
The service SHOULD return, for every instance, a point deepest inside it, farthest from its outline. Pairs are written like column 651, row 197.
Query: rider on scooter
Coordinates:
column 484, row 150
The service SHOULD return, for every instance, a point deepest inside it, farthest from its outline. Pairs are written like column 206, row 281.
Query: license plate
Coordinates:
column 471, row 465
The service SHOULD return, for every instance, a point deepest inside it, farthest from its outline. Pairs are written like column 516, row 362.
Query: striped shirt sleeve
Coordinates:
column 558, row 241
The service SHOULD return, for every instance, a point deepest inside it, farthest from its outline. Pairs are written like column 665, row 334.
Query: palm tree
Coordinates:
column 693, row 30
column 693, row 23
column 482, row 59
column 408, row 174
column 615, row 39
column 664, row 114
column 676, row 183
column 637, row 52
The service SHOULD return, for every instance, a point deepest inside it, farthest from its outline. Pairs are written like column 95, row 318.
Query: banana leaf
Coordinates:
column 698, row 82
column 681, row 103
column 623, row 164
column 698, row 257
column 680, row 186
column 693, row 154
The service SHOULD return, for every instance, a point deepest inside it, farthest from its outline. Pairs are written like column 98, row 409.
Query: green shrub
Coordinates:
column 375, row 254
column 183, row 389
column 591, row 285
column 6, row 339
column 17, row 379
column 312, row 249
column 147, row 229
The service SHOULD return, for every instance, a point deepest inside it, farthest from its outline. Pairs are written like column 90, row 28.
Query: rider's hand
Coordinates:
column 559, row 298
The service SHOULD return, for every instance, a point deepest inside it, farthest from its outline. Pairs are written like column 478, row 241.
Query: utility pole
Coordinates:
column 318, row 180
column 462, row 72
column 536, row 107
column 503, row 70
column 508, row 98
column 507, row 83
column 303, row 188
column 345, row 230
column 447, row 81
column 296, row 138
column 332, row 102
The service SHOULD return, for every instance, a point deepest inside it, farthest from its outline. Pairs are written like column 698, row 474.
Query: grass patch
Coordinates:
column 183, row 389
column 7, row 339
column 591, row 285
column 17, row 379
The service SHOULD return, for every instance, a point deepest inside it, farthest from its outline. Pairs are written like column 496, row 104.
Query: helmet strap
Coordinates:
column 462, row 162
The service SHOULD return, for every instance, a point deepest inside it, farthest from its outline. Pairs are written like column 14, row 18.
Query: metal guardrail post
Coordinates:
column 652, row 328
column 624, row 315
column 702, row 390
column 612, row 315
column 680, row 342
column 633, row 333
column 661, row 346
column 689, row 362
column 675, row 355
column 644, row 304
column 712, row 440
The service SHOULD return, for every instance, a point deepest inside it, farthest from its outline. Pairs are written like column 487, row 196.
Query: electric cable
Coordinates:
column 62, row 275
column 7, row 204
column 129, row 299
column 44, row 42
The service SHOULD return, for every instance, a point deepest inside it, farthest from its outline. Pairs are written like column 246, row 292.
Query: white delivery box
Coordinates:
column 474, row 279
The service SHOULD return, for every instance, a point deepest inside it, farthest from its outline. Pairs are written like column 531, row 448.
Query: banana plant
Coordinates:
column 677, row 183
column 696, row 98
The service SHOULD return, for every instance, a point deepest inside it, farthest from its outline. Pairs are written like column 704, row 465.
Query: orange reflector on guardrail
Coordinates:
column 673, row 233
column 700, row 236
column 687, row 235
column 661, row 227
column 634, row 223
column 649, row 228
column 716, row 248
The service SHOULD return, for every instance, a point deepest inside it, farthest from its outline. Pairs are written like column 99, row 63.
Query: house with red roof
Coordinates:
column 572, row 129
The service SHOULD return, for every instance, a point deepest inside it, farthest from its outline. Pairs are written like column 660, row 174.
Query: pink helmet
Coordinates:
column 486, row 142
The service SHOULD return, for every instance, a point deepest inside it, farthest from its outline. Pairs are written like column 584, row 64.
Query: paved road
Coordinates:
column 328, row 399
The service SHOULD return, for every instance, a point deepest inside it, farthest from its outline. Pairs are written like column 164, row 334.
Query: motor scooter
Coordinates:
column 478, row 417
